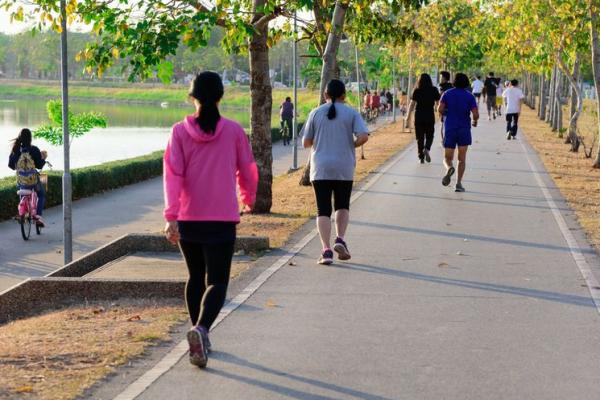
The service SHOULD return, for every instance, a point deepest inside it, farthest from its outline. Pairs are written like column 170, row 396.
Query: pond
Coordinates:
column 133, row 130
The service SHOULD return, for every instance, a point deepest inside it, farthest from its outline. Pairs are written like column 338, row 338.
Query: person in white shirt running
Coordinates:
column 513, row 98
column 477, row 87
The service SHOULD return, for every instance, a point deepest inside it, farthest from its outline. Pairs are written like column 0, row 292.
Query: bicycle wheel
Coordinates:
column 25, row 223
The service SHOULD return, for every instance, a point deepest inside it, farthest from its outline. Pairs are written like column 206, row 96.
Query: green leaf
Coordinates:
column 164, row 72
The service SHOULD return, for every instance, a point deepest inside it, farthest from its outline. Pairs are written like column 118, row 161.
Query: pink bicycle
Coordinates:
column 28, row 209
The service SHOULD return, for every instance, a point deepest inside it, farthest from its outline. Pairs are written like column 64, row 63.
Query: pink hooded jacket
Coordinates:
column 200, row 172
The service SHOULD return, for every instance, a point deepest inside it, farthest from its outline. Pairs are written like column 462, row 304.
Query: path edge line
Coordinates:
column 576, row 252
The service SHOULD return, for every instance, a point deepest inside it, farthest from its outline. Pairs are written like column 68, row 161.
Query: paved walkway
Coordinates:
column 448, row 296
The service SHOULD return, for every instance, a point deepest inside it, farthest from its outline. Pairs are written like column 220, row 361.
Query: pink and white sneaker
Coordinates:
column 196, row 340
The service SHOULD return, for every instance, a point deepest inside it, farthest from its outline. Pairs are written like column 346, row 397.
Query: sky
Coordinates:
column 16, row 26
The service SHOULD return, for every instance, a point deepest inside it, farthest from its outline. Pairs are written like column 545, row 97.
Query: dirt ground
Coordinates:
column 60, row 354
column 572, row 173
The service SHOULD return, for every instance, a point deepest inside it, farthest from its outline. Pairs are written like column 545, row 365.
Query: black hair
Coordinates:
column 461, row 81
column 288, row 99
column 445, row 75
column 23, row 140
column 424, row 82
column 335, row 90
column 491, row 74
column 478, row 76
column 514, row 82
column 208, row 89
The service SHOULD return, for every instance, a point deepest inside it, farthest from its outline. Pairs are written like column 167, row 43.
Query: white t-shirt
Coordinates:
column 477, row 86
column 513, row 96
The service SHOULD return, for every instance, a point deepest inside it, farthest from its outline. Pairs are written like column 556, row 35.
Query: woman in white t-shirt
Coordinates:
column 513, row 97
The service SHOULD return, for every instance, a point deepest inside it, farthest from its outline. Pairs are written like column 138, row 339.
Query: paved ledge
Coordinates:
column 133, row 243
column 128, row 267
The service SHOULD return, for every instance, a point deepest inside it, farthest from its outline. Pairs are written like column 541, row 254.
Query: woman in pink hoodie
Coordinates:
column 205, row 156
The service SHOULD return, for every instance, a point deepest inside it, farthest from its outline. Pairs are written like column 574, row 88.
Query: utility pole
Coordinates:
column 66, row 179
column 394, row 83
column 357, row 76
column 295, row 85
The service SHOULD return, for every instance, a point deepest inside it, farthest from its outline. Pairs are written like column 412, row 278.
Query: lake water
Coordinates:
column 133, row 130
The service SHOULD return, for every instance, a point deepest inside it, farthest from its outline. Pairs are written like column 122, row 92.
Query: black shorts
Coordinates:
column 341, row 190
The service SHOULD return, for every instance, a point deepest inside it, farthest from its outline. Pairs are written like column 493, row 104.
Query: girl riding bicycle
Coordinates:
column 27, row 160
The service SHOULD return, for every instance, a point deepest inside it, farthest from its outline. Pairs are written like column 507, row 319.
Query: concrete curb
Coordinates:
column 69, row 285
column 132, row 243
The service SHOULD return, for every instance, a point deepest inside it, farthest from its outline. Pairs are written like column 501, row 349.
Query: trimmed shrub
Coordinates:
column 86, row 181
column 276, row 132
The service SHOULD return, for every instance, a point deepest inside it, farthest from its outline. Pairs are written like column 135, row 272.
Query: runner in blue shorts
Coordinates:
column 457, row 105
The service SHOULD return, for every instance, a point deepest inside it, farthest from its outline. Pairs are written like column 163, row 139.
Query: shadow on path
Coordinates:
column 496, row 203
column 461, row 236
column 439, row 180
column 282, row 390
column 517, row 291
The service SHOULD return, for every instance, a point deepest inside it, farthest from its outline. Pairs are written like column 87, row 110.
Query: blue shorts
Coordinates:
column 457, row 137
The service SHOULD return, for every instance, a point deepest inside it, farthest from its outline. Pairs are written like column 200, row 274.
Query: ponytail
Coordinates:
column 208, row 89
column 332, row 113
column 335, row 90
column 208, row 117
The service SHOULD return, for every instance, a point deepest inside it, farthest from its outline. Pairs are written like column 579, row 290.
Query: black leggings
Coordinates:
column 424, row 133
column 209, row 266
column 341, row 190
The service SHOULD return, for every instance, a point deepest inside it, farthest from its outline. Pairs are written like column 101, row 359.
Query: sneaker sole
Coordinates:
column 197, row 358
column 343, row 253
column 448, row 177
column 325, row 261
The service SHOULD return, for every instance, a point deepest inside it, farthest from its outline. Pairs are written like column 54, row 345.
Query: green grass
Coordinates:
column 235, row 96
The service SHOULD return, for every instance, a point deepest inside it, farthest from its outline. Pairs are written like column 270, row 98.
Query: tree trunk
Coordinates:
column 576, row 103
column 532, row 91
column 542, row 101
column 330, row 70
column 557, row 120
column 260, row 120
column 551, row 87
column 593, row 10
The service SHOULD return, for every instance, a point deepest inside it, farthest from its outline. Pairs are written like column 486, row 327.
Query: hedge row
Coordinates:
column 276, row 132
column 87, row 181
column 92, row 180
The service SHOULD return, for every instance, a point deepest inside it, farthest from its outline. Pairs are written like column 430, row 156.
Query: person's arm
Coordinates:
column 361, row 130
column 411, row 108
column 247, row 171
column 38, row 160
column 441, row 108
column 475, row 112
column 308, row 131
column 12, row 161
column 173, row 176
column 361, row 139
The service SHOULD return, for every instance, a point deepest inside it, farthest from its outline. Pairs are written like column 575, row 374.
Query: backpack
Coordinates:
column 27, row 174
